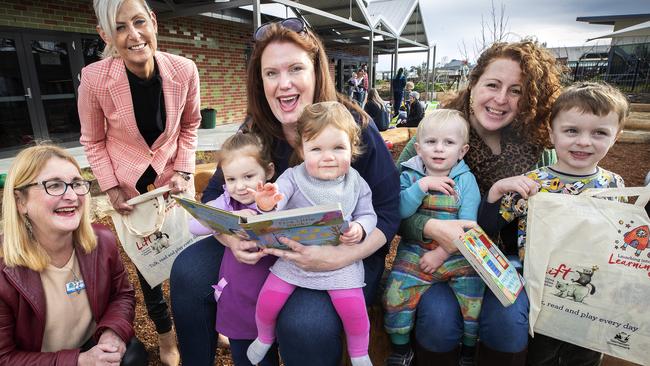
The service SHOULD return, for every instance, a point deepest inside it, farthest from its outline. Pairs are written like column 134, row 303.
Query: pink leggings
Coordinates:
column 349, row 304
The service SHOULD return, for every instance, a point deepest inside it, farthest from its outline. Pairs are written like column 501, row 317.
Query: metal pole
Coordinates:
column 257, row 19
column 433, row 70
column 426, row 77
column 371, row 66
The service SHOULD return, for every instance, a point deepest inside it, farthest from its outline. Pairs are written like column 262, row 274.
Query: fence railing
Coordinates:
column 627, row 83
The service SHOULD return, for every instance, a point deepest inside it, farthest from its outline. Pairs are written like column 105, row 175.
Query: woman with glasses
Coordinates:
column 288, row 70
column 65, row 297
column 139, row 112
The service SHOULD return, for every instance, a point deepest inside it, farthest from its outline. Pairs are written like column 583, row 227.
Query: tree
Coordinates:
column 494, row 29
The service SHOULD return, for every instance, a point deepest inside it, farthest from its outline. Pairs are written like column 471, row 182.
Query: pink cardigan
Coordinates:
column 116, row 151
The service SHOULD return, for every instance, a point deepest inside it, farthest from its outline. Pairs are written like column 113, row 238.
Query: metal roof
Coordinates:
column 639, row 30
column 612, row 19
column 403, row 17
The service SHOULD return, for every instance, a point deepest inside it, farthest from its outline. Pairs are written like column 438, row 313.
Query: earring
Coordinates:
column 28, row 225
column 471, row 105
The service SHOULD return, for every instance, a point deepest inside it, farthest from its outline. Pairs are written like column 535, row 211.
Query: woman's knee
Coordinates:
column 136, row 354
column 308, row 328
column 198, row 264
column 504, row 329
column 439, row 324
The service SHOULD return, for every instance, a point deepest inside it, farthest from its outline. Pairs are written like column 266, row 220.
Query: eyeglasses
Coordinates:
column 294, row 24
column 58, row 187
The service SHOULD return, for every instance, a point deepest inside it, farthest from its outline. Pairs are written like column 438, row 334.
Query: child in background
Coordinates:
column 244, row 164
column 328, row 140
column 436, row 182
column 586, row 120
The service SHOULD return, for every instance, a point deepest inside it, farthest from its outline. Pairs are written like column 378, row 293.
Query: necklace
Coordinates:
column 75, row 285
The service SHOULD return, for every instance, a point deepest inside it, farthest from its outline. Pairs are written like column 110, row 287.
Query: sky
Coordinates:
column 449, row 22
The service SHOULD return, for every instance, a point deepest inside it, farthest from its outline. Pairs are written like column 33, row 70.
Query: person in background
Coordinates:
column 139, row 110
column 586, row 120
column 65, row 297
column 397, row 85
column 288, row 70
column 376, row 109
column 508, row 104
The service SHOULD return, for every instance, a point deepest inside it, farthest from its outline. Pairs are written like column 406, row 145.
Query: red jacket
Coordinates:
column 22, row 304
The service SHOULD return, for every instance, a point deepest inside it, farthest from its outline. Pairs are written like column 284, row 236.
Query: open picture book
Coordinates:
column 316, row 225
column 491, row 264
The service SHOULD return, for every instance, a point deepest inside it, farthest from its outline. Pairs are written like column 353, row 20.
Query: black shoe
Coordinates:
column 397, row 359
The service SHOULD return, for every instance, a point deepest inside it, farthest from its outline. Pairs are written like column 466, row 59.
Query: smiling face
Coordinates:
column 495, row 95
column 289, row 80
column 441, row 146
column 134, row 37
column 581, row 140
column 328, row 155
column 243, row 172
column 53, row 216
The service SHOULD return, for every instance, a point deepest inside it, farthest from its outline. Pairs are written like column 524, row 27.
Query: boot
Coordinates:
column 424, row 357
column 490, row 357
column 169, row 355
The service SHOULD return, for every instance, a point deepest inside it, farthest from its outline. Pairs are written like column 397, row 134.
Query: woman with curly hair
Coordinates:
column 507, row 102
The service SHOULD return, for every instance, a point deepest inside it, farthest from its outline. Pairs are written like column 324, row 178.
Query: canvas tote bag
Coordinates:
column 154, row 233
column 587, row 270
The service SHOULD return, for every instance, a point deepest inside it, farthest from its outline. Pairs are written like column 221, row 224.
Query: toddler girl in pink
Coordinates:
column 328, row 140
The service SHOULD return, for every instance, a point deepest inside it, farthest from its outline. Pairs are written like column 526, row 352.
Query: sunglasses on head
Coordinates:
column 294, row 24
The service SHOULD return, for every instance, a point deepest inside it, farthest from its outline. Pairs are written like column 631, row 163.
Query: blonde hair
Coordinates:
column 19, row 247
column 441, row 117
column 316, row 117
column 106, row 13
column 599, row 99
column 244, row 144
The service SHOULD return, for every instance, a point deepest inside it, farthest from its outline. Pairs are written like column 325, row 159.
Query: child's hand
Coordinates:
column 440, row 184
column 525, row 186
column 247, row 212
column 353, row 235
column 433, row 259
column 266, row 196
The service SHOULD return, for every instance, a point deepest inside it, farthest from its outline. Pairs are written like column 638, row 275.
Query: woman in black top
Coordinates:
column 376, row 108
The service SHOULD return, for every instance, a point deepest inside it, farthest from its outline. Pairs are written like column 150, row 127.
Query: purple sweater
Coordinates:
column 236, row 315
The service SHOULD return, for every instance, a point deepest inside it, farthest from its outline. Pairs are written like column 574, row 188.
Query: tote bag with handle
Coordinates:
column 587, row 270
column 154, row 233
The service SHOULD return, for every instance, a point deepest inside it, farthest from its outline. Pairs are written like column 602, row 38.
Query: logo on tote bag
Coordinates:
column 631, row 246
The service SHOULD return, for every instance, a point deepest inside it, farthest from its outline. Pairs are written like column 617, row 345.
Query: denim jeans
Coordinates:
column 439, row 323
column 193, row 273
column 309, row 330
column 238, row 349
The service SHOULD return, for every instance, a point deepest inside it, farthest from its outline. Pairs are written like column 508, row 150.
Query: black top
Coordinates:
column 415, row 114
column 148, row 105
column 379, row 115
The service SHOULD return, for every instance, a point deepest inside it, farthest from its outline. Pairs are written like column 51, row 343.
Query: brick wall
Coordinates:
column 217, row 47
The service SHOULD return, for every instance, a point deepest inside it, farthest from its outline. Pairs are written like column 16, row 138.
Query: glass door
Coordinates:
column 16, row 102
column 39, row 77
column 49, row 58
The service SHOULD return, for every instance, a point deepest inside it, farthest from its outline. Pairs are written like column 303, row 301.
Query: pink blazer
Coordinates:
column 116, row 151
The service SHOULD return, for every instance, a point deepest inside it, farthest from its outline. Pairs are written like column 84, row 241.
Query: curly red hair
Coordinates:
column 540, row 75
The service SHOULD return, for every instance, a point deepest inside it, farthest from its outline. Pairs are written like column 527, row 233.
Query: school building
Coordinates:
column 45, row 44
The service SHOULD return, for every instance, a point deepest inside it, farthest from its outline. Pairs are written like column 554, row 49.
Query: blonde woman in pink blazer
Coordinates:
column 139, row 110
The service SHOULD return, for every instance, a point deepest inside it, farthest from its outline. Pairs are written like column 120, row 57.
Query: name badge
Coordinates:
column 74, row 286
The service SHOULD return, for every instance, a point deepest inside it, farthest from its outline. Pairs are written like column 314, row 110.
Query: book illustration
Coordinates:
column 317, row 225
column 491, row 264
